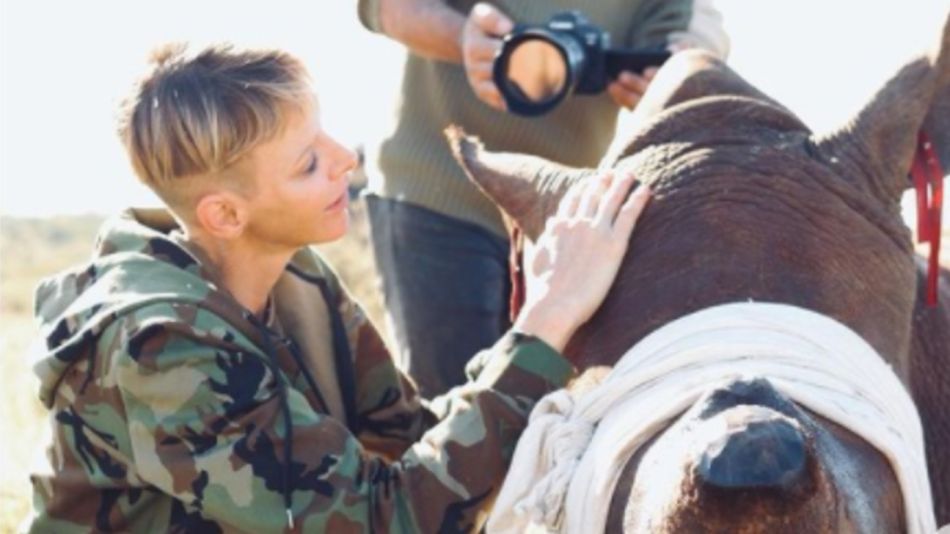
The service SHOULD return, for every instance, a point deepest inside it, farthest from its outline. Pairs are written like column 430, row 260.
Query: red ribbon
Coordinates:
column 928, row 181
column 516, row 272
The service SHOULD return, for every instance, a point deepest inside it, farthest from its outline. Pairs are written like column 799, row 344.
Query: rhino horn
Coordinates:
column 526, row 188
column 882, row 138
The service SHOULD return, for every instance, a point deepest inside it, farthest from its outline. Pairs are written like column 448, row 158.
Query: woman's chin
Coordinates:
column 333, row 229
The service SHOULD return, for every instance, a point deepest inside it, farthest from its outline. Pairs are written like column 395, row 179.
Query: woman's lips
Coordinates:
column 340, row 203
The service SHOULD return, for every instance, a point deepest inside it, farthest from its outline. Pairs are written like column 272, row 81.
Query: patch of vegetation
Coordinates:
column 30, row 249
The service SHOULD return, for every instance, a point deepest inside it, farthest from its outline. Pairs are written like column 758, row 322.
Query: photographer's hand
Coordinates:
column 576, row 258
column 628, row 88
column 480, row 41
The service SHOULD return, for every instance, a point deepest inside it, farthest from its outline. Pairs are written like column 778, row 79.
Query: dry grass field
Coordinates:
column 31, row 249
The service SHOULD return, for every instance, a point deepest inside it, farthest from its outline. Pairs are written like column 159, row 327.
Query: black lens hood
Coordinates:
column 521, row 106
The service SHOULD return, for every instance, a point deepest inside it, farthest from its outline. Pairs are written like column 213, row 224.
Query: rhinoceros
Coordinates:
column 750, row 205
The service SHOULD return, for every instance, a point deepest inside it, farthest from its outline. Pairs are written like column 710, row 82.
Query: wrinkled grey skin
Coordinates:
column 750, row 204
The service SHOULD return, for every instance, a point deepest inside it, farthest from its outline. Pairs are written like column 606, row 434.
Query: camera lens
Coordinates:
column 539, row 66
column 536, row 69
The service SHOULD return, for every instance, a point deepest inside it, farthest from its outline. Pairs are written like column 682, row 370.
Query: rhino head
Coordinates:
column 749, row 204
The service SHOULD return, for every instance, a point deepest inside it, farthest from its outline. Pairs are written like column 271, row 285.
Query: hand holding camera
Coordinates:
column 537, row 67
column 481, row 40
column 529, row 70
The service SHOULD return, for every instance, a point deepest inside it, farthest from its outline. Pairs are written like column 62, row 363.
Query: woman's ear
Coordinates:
column 222, row 214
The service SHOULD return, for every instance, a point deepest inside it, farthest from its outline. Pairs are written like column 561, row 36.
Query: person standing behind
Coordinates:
column 439, row 243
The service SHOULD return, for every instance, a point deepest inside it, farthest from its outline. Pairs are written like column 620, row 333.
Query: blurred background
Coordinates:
column 64, row 66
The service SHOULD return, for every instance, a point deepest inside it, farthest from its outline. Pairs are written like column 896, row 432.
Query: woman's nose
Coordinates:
column 346, row 159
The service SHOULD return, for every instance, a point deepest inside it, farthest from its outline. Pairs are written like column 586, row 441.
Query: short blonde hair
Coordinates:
column 198, row 114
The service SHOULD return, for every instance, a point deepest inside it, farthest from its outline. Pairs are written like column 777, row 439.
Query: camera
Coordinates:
column 537, row 67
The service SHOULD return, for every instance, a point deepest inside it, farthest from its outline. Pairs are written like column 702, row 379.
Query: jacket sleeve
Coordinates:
column 391, row 415
column 208, row 426
column 693, row 23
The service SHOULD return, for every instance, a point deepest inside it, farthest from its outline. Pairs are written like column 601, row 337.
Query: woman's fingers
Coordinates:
column 594, row 190
column 615, row 195
column 600, row 199
column 630, row 211
column 571, row 201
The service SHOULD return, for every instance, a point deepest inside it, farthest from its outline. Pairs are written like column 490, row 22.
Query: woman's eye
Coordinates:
column 312, row 167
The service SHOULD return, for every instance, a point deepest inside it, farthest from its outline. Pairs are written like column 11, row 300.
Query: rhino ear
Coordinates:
column 526, row 188
column 882, row 138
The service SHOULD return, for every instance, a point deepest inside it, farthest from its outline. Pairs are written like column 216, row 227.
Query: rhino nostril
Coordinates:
column 756, row 448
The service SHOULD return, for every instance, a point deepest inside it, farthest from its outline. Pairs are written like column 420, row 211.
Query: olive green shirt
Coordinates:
column 414, row 163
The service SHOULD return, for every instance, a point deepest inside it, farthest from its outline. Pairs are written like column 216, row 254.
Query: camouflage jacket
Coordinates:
column 173, row 408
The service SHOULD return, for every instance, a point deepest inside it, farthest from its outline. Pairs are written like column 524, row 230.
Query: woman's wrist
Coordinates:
column 546, row 321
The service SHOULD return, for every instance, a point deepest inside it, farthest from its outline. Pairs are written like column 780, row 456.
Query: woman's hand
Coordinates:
column 578, row 255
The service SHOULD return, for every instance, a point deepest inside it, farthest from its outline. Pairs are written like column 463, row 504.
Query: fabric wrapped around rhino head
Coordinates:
column 568, row 460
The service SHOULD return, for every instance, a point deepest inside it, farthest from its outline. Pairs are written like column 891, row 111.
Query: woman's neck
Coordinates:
column 245, row 271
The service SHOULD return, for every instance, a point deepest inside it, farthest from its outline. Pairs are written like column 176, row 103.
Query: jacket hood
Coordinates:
column 136, row 262
column 139, row 261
